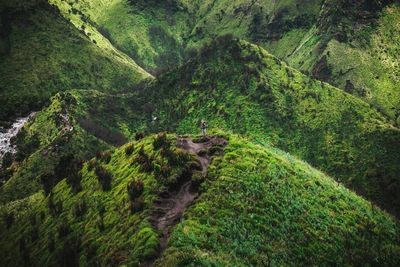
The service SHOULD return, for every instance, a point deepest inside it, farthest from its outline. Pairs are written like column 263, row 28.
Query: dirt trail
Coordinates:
column 171, row 205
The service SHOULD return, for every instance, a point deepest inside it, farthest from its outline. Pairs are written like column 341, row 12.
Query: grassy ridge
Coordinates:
column 262, row 207
column 242, row 88
column 251, row 212
column 353, row 46
column 42, row 53
column 102, row 222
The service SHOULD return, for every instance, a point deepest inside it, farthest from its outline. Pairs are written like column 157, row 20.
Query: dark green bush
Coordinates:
column 104, row 156
column 74, row 175
column 79, row 208
column 129, row 149
column 135, row 188
column 137, row 205
column 139, row 136
column 104, row 177
column 197, row 178
column 144, row 160
column 160, row 141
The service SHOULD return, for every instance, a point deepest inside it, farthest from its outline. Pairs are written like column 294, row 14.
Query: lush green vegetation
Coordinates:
column 265, row 100
column 41, row 53
column 252, row 211
column 243, row 88
column 262, row 207
column 353, row 46
column 78, row 193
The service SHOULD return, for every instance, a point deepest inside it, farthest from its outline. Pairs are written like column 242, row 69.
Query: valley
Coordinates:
column 300, row 165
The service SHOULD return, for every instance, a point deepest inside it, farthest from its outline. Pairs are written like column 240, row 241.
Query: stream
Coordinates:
column 7, row 134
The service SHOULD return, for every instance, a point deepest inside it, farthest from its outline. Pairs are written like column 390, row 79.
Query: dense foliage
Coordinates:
column 41, row 53
column 252, row 212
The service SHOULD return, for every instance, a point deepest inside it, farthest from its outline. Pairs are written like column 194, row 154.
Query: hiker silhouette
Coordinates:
column 203, row 126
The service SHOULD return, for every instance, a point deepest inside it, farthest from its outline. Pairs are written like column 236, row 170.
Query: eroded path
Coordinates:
column 171, row 205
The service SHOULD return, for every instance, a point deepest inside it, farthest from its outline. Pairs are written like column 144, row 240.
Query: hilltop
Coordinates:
column 241, row 88
column 42, row 53
column 250, row 211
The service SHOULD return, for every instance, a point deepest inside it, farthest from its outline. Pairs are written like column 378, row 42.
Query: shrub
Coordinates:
column 104, row 156
column 197, row 178
column 139, row 136
column 55, row 208
column 91, row 164
column 68, row 255
column 179, row 157
column 135, row 188
column 74, row 176
column 79, row 208
column 165, row 171
column 34, row 234
column 137, row 205
column 195, row 165
column 100, row 223
column 144, row 161
column 129, row 149
column 104, row 177
column 161, row 141
column 47, row 180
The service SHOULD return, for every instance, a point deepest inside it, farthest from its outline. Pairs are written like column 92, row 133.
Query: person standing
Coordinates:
column 203, row 126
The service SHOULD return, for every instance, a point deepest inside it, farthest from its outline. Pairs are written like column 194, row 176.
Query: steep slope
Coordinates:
column 250, row 212
column 41, row 53
column 240, row 87
column 352, row 45
column 150, row 32
column 355, row 46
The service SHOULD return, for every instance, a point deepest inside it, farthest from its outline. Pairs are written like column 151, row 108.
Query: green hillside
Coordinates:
column 41, row 53
column 353, row 46
column 250, row 212
column 241, row 88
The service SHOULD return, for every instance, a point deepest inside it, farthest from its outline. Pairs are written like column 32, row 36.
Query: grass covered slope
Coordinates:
column 151, row 32
column 48, row 146
column 358, row 52
column 251, row 211
column 41, row 53
column 91, row 217
column 239, row 86
column 261, row 207
column 351, row 45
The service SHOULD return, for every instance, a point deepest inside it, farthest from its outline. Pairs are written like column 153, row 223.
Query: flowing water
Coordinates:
column 7, row 134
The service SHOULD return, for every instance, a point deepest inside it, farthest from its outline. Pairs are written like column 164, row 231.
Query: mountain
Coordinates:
column 41, row 53
column 300, row 165
column 241, row 88
column 353, row 46
column 250, row 211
